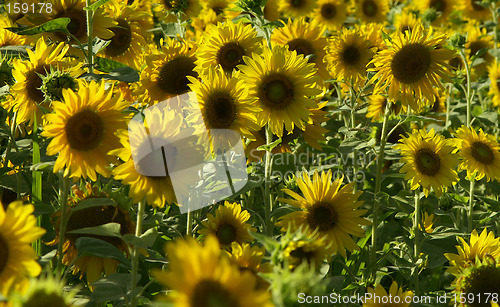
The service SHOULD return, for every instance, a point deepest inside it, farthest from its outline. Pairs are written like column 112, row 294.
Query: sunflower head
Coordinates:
column 296, row 8
column 45, row 291
column 494, row 76
column 250, row 258
column 305, row 248
column 478, row 43
column 371, row 10
column 54, row 83
column 330, row 13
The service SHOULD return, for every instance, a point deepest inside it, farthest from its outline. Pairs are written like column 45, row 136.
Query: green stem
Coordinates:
column 448, row 102
column 468, row 91
column 135, row 252
column 189, row 223
column 36, row 185
column 63, row 222
column 416, row 230
column 90, row 39
column 353, row 126
column 470, row 221
column 267, row 183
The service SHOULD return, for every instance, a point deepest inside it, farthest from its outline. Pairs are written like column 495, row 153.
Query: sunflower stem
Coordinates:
column 353, row 126
column 448, row 102
column 189, row 223
column 90, row 39
column 63, row 222
column 36, row 185
column 378, row 185
column 470, row 220
column 469, row 83
column 267, row 183
column 416, row 230
column 135, row 252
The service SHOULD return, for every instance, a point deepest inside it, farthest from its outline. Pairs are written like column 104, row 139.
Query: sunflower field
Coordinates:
column 338, row 152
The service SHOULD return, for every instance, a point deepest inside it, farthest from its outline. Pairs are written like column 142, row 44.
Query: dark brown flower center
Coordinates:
column 276, row 91
column 220, row 110
column 218, row 9
column 84, row 130
column 230, row 55
column 485, row 279
column 34, row 83
column 43, row 299
column 302, row 46
column 482, row 153
column 370, row 8
column 120, row 42
column 328, row 11
column 77, row 26
column 210, row 293
column 411, row 63
column 297, row 3
column 302, row 255
column 351, row 55
column 4, row 254
column 438, row 5
column 322, row 216
column 226, row 234
column 427, row 161
column 172, row 79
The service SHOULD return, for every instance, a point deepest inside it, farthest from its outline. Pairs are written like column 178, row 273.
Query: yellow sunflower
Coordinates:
column 312, row 251
column 198, row 276
column 428, row 221
column 479, row 152
column 429, row 161
column 348, row 54
column 494, row 76
column 332, row 210
column 412, row 65
column 83, row 130
column 9, row 38
column 199, row 24
column 480, row 246
column 17, row 258
column 372, row 32
column 478, row 39
column 377, row 105
column 165, row 9
column 281, row 82
column 473, row 9
column 27, row 94
column 166, row 72
column 130, row 34
column 405, row 21
column 271, row 12
column 396, row 296
column 229, row 225
column 224, row 9
column 225, row 44
column 296, row 8
column 371, row 10
column 249, row 258
column 330, row 13
column 305, row 38
column 443, row 7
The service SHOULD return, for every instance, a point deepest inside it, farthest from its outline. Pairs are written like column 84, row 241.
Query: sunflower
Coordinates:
column 224, row 106
column 412, row 65
column 45, row 291
column 377, row 105
column 371, row 10
column 83, row 130
column 141, row 168
column 480, row 247
column 443, row 7
column 478, row 39
column 17, row 258
column 405, row 21
column 428, row 221
column 281, row 82
column 129, row 34
column 348, row 54
column 296, row 8
column 199, row 24
column 8, row 38
column 311, row 251
column 271, row 12
column 479, row 152
column 473, row 9
column 429, row 161
column 494, row 76
column 224, row 9
column 332, row 210
column 396, row 296
column 198, row 276
column 28, row 96
column 305, row 38
column 229, row 225
column 249, row 258
column 165, row 9
column 54, row 83
column 166, row 72
column 80, row 218
column 226, row 44
column 372, row 32
column 330, row 14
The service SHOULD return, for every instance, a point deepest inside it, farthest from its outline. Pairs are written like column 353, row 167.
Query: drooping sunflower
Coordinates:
column 296, row 8
column 377, row 105
column 225, row 44
column 249, row 258
column 479, row 152
column 305, row 38
column 80, row 218
column 130, row 34
column 472, row 9
column 348, row 54
column 330, row 13
column 396, row 295
column 332, row 210
column 166, row 72
column 224, row 106
column 478, row 39
column 480, row 246
column 371, row 10
column 229, row 225
column 198, row 276
column 494, row 76
column 412, row 65
column 27, row 94
column 83, row 129
column 429, row 161
column 443, row 7
column 17, row 258
column 281, row 82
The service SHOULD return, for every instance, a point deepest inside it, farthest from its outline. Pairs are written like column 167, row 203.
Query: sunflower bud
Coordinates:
column 458, row 40
column 55, row 82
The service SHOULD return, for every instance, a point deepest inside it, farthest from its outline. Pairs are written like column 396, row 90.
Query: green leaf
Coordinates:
column 111, row 287
column 42, row 166
column 106, row 65
column 107, row 230
column 270, row 146
column 146, row 240
column 58, row 24
column 95, row 6
column 93, row 202
column 171, row 29
column 87, row 246
column 413, row 118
